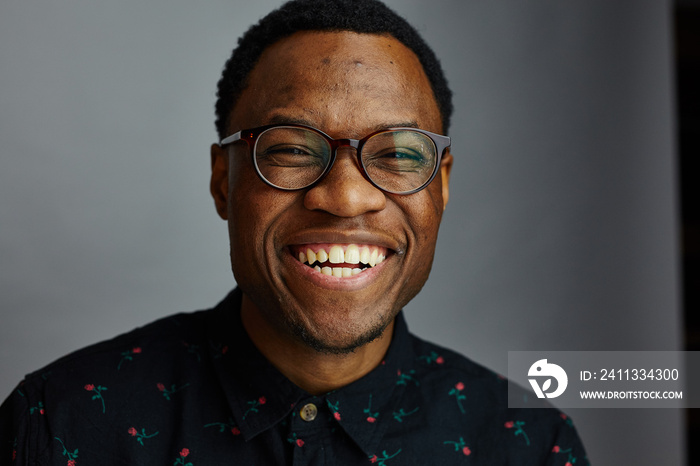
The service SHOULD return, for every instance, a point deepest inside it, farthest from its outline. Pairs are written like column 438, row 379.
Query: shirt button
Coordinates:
column 309, row 412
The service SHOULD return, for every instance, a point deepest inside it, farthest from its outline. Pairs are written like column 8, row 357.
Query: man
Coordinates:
column 332, row 172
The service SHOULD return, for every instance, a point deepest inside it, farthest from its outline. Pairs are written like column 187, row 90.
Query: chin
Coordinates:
column 337, row 336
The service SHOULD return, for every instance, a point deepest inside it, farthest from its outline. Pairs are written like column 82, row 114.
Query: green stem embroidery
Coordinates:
column 431, row 358
column 384, row 457
column 335, row 408
column 518, row 426
column 140, row 436
column 97, row 393
column 224, row 426
column 167, row 392
column 400, row 414
column 457, row 392
column 571, row 458
column 254, row 405
column 461, row 445
column 371, row 416
column 39, row 407
column 404, row 378
column 127, row 356
column 296, row 440
column 71, row 456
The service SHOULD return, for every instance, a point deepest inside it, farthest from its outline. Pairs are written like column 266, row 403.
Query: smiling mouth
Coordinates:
column 339, row 260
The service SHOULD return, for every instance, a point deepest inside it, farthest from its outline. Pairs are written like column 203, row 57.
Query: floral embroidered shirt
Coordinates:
column 192, row 390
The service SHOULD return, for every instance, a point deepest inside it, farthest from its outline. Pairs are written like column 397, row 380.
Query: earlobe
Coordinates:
column 218, row 185
column 445, row 168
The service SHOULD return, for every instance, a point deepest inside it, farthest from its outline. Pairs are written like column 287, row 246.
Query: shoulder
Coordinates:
column 470, row 402
column 99, row 382
column 434, row 362
column 143, row 344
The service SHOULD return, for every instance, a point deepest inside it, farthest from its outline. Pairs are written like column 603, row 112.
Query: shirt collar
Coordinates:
column 260, row 396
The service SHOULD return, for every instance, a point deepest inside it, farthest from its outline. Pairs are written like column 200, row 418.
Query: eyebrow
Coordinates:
column 285, row 120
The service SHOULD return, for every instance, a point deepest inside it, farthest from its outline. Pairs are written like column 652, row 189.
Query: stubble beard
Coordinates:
column 325, row 347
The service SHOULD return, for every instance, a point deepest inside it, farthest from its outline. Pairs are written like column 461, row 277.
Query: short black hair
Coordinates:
column 361, row 16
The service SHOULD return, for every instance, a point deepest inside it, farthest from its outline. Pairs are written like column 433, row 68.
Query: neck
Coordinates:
column 315, row 372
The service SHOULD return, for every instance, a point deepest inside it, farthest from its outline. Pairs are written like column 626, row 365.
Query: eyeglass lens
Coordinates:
column 397, row 161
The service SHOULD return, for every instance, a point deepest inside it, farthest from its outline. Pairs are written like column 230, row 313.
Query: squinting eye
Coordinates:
column 287, row 150
column 404, row 154
column 396, row 160
column 281, row 155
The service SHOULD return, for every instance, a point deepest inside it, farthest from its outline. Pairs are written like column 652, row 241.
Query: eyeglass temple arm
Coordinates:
column 228, row 140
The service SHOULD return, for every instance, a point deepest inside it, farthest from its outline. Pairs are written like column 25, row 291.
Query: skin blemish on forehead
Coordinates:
column 326, row 61
column 288, row 94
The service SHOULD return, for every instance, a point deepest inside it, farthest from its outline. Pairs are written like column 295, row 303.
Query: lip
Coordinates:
column 341, row 237
column 329, row 282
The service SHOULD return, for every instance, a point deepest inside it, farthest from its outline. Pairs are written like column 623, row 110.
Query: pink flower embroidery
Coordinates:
column 460, row 445
column 140, row 436
column 236, row 431
column 371, row 419
column 373, row 459
column 184, row 452
column 41, row 411
column 459, row 396
column 336, row 415
column 160, row 386
column 563, row 416
column 97, row 393
column 300, row 442
column 71, row 463
column 555, row 449
column 440, row 360
column 136, row 350
column 568, row 464
column 262, row 400
column 518, row 429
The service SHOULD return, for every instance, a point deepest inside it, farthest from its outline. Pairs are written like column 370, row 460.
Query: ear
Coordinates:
column 445, row 168
column 219, row 179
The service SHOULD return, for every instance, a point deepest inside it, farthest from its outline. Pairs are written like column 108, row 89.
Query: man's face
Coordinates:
column 347, row 85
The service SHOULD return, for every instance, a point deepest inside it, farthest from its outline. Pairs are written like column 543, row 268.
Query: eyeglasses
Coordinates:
column 292, row 157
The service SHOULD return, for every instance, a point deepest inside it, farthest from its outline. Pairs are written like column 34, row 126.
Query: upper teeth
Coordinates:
column 352, row 254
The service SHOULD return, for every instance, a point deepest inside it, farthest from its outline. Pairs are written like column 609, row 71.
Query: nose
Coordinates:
column 344, row 192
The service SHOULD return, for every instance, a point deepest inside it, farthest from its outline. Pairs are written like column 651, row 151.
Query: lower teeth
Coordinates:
column 338, row 271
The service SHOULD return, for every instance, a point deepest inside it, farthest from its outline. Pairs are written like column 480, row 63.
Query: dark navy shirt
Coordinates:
column 193, row 390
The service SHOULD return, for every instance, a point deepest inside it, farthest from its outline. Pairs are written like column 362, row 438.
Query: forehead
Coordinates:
column 341, row 82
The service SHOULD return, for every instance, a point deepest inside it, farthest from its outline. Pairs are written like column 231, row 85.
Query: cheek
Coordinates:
column 424, row 213
column 426, row 210
column 255, row 210
column 247, row 214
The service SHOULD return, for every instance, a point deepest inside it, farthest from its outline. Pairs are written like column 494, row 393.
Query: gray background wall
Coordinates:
column 560, row 234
